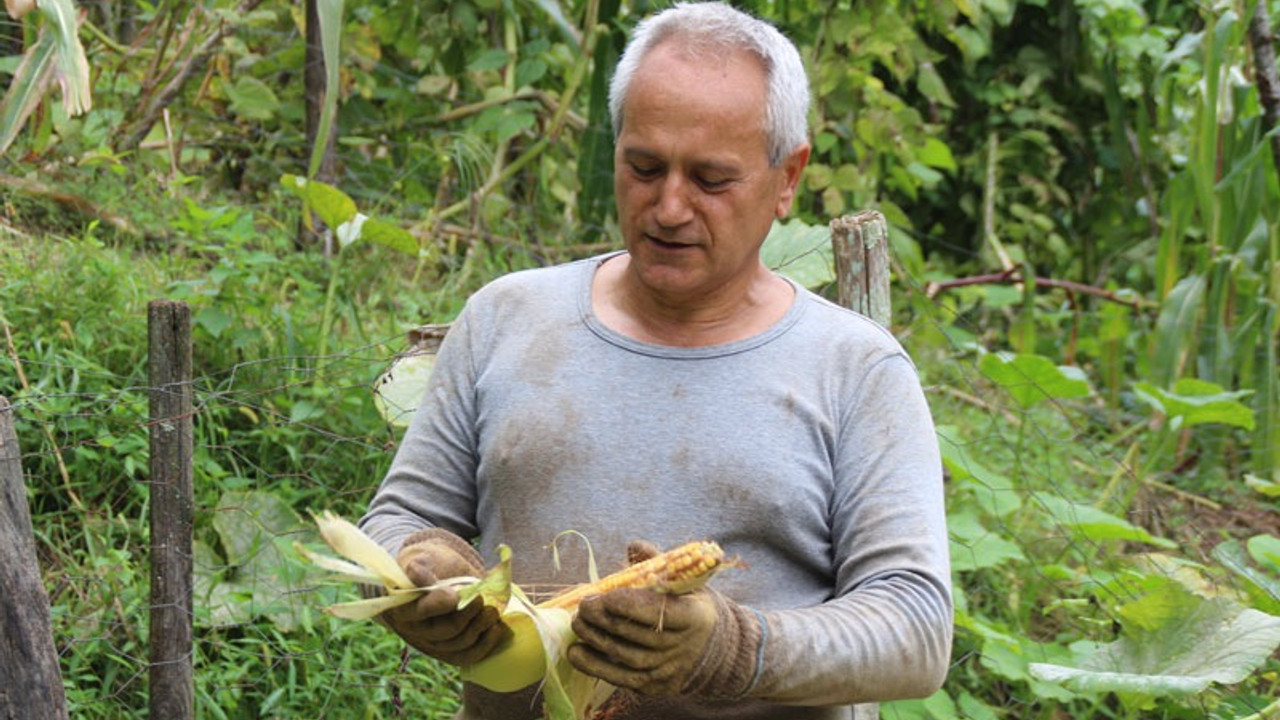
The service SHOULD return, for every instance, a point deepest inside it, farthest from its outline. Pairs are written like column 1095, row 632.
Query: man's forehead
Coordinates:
column 699, row 159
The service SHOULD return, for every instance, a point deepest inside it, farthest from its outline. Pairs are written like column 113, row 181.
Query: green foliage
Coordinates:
column 1173, row 642
column 1085, row 218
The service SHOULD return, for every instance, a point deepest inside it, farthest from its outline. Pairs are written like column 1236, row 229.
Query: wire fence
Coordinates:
column 1043, row 495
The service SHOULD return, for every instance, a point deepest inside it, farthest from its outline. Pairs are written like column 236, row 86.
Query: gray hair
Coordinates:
column 714, row 27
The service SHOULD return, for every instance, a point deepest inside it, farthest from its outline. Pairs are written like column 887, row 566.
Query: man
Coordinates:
column 680, row 390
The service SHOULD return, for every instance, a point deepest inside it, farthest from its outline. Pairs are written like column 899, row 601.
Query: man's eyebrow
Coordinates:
column 723, row 168
column 632, row 153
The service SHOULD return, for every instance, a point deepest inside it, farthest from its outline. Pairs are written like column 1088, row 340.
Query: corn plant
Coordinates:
column 1218, row 252
column 55, row 56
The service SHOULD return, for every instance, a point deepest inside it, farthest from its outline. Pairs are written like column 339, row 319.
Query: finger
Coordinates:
column 418, row 568
column 640, row 550
column 441, row 601
column 650, row 609
column 489, row 640
column 434, row 562
column 456, row 633
column 434, row 604
column 624, row 637
column 624, row 644
column 589, row 660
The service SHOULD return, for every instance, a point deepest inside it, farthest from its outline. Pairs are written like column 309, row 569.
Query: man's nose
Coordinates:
column 673, row 206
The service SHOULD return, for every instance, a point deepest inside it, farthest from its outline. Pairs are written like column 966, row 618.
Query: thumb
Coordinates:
column 640, row 550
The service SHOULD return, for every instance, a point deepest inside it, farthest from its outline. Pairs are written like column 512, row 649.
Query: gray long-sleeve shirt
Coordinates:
column 806, row 451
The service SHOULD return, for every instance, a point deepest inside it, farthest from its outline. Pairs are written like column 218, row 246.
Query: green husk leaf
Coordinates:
column 593, row 573
column 372, row 607
column 345, row 570
column 26, row 88
column 494, row 589
column 73, row 66
column 350, row 542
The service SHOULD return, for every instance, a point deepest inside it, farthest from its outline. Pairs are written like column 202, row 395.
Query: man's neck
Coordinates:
column 726, row 315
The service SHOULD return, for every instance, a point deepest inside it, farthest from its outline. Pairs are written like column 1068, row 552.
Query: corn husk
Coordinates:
column 540, row 633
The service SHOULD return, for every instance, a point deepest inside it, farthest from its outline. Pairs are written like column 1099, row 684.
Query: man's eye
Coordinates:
column 645, row 171
column 713, row 184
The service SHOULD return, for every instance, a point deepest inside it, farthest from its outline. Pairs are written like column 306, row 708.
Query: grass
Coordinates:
column 74, row 303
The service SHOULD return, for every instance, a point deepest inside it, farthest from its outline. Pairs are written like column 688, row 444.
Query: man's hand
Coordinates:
column 433, row 623
column 700, row 643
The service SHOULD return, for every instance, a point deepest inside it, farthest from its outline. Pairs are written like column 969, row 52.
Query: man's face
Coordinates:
column 695, row 192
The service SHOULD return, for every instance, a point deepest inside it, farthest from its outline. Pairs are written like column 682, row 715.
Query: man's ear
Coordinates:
column 792, row 166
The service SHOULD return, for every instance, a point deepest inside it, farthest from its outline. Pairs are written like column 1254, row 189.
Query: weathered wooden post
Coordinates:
column 30, row 681
column 172, row 508
column 861, row 246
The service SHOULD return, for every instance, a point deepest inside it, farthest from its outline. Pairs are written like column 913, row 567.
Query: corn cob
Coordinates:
column 674, row 572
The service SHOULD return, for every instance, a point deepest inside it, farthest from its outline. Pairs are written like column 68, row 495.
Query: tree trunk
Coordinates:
column 314, row 86
column 30, row 681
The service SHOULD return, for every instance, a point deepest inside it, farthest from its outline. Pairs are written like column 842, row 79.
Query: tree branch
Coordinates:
column 1264, row 61
column 1012, row 277
column 156, row 107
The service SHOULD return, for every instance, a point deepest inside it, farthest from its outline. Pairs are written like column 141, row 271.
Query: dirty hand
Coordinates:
column 433, row 623
column 700, row 644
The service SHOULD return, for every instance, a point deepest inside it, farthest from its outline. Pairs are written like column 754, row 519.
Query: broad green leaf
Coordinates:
column 1266, row 550
column 1033, row 378
column 489, row 59
column 1217, row 641
column 931, row 85
column 253, row 99
column 938, row 706
column 801, row 252
column 995, row 493
column 1263, row 588
column 256, row 530
column 971, row 708
column 213, row 320
column 1199, row 402
column 511, row 124
column 974, row 547
column 847, row 177
column 817, row 176
column 332, row 205
column 935, row 153
column 1158, row 609
column 925, row 174
column 389, row 235
column 1093, row 524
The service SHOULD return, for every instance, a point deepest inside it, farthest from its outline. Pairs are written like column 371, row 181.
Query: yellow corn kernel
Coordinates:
column 676, row 571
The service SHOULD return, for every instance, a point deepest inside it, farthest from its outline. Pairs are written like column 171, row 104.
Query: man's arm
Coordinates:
column 431, row 479
column 887, row 633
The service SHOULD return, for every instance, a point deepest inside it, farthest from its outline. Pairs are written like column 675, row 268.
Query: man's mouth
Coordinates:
column 667, row 244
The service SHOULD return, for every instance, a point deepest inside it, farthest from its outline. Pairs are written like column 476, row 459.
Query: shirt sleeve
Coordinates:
column 431, row 481
column 886, row 632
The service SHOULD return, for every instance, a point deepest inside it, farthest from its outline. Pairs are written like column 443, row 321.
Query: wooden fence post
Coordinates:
column 861, row 246
column 172, row 509
column 30, row 681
